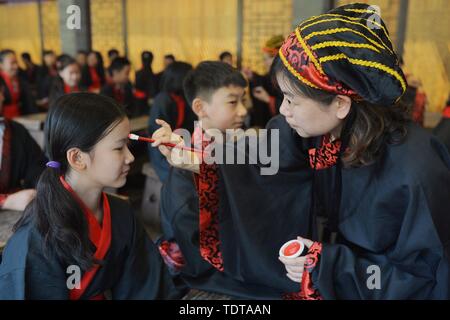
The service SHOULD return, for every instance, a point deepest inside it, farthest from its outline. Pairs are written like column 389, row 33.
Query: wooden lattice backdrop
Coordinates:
column 107, row 26
column 263, row 19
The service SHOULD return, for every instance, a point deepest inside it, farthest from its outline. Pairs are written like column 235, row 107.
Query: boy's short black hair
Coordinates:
column 113, row 52
column 118, row 64
column 170, row 56
column 147, row 57
column 225, row 54
column 26, row 56
column 210, row 76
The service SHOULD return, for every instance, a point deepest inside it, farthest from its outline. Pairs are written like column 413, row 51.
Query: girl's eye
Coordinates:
column 288, row 101
column 232, row 102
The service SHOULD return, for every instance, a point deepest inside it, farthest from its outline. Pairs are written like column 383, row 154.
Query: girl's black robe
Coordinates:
column 393, row 215
column 132, row 268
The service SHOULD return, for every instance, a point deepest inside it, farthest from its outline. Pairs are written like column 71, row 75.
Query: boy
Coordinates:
column 120, row 88
column 216, row 93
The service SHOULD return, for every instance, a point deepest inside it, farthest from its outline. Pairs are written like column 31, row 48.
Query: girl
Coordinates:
column 75, row 241
column 93, row 73
column 349, row 156
column 68, row 79
column 18, row 99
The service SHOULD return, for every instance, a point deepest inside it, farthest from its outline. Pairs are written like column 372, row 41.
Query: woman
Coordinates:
column 68, row 78
column 378, row 180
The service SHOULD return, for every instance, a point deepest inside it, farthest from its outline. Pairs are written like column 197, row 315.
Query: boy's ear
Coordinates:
column 76, row 159
column 198, row 107
column 344, row 104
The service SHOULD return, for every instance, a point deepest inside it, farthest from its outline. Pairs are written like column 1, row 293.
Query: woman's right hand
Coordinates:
column 176, row 157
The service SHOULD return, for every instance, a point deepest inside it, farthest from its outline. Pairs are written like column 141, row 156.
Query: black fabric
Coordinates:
column 30, row 74
column 392, row 214
column 147, row 82
column 27, row 158
column 259, row 213
column 180, row 223
column 129, row 103
column 44, row 82
column 56, row 91
column 132, row 269
column 442, row 131
column 260, row 112
column 393, row 217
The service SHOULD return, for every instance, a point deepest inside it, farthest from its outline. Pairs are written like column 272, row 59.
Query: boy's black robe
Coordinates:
column 180, row 223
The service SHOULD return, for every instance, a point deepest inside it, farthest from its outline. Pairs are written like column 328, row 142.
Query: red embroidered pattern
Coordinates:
column 207, row 184
column 172, row 255
column 307, row 288
column 5, row 169
column 327, row 154
column 446, row 113
column 419, row 108
column 181, row 107
column 297, row 59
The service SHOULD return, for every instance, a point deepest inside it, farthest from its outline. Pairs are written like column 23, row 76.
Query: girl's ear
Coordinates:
column 344, row 104
column 198, row 106
column 76, row 159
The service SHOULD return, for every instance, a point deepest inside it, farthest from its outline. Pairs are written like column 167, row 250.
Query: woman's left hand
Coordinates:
column 295, row 266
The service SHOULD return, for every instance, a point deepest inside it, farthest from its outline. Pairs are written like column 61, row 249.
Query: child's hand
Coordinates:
column 294, row 267
column 19, row 200
column 175, row 156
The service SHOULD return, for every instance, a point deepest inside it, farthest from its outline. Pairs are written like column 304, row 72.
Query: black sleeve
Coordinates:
column 31, row 159
column 56, row 91
column 145, row 275
column 85, row 78
column 27, row 99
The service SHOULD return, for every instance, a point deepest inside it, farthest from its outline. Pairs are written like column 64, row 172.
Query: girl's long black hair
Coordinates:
column 77, row 120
